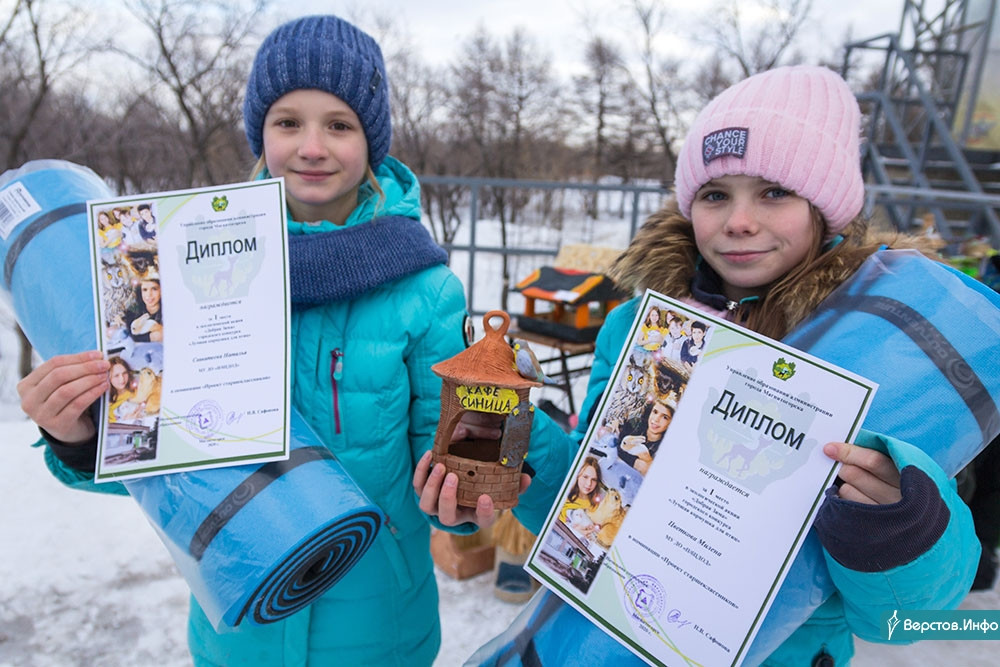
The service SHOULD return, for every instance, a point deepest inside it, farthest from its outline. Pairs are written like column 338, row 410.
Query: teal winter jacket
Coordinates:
column 365, row 334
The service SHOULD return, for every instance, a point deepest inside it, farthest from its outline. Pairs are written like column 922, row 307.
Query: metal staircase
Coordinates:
column 914, row 167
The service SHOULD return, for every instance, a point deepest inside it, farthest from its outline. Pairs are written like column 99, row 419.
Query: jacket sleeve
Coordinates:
column 919, row 553
column 74, row 465
column 552, row 450
column 442, row 338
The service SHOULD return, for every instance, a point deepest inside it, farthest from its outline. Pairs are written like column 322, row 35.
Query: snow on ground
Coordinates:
column 84, row 580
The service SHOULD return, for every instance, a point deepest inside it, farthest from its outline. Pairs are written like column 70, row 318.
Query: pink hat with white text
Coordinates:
column 797, row 126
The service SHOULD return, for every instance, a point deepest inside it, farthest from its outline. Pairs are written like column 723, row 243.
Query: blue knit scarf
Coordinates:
column 344, row 264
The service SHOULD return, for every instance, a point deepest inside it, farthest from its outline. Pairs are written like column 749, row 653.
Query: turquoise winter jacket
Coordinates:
column 861, row 597
column 361, row 377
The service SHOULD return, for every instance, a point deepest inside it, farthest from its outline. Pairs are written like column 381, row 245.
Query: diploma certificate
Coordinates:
column 191, row 289
column 707, row 457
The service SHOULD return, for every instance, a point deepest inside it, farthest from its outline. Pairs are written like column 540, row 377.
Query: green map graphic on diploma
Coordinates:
column 221, row 257
column 751, row 438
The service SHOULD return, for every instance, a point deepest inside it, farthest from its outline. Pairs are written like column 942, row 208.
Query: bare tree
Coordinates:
column 39, row 43
column 597, row 90
column 505, row 103
column 759, row 44
column 660, row 76
column 199, row 52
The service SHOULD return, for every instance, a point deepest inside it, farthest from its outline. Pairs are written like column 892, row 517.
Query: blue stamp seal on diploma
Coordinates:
column 204, row 418
column 645, row 596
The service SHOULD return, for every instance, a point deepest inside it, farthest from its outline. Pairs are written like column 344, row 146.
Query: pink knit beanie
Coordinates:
column 797, row 126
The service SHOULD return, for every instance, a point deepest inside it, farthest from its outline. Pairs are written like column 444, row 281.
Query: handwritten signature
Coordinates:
column 674, row 617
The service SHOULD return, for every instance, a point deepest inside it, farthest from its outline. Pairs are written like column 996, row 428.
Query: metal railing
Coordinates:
column 470, row 252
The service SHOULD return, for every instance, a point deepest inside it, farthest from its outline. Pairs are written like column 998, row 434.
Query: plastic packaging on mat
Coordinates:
column 44, row 244
column 255, row 543
column 928, row 334
column 933, row 347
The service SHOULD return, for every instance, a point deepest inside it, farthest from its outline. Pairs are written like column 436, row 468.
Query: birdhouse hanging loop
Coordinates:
column 488, row 326
column 484, row 379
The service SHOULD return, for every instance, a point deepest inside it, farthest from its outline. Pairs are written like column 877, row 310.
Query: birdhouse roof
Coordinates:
column 568, row 286
column 488, row 361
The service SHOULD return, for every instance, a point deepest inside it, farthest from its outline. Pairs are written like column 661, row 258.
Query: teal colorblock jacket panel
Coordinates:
column 861, row 597
column 361, row 377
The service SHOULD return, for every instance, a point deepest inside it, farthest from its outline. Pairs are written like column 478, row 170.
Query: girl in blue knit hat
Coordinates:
column 373, row 308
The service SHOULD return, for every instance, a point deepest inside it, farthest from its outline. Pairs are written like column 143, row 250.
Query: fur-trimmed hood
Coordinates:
column 662, row 256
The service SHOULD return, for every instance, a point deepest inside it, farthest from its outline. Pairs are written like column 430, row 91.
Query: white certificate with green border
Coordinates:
column 191, row 292
column 680, row 547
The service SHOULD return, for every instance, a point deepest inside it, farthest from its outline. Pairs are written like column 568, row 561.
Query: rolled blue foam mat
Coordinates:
column 259, row 542
column 255, row 543
column 929, row 334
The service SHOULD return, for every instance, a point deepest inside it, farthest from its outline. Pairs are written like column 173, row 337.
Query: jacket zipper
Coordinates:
column 336, row 372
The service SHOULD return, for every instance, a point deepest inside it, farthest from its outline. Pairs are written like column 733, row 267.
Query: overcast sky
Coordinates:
column 560, row 26
column 437, row 27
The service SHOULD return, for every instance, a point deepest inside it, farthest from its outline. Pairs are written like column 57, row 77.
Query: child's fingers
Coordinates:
column 868, row 475
column 421, row 472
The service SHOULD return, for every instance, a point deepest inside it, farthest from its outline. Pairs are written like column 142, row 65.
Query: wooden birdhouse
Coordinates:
column 568, row 304
column 483, row 378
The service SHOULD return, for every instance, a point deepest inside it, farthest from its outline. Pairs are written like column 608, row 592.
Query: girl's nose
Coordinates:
column 742, row 219
column 312, row 146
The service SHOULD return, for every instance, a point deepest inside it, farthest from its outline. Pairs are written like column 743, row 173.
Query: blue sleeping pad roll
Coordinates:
column 255, row 543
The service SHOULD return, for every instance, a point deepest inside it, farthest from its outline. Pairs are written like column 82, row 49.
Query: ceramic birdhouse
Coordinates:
column 484, row 378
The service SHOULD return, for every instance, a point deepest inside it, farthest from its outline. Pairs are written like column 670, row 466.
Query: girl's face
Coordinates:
column 119, row 377
column 586, row 481
column 316, row 142
column 654, row 317
column 751, row 231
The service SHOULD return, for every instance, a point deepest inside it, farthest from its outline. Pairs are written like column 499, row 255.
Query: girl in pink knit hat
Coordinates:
column 765, row 224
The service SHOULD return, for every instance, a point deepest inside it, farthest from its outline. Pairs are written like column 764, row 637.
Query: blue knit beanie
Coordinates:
column 328, row 54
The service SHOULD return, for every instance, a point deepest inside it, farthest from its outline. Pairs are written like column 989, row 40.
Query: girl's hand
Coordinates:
column 868, row 476
column 438, row 494
column 476, row 425
column 56, row 395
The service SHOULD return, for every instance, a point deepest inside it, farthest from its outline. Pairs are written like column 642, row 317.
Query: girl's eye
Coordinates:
column 777, row 193
column 713, row 195
column 340, row 126
column 286, row 122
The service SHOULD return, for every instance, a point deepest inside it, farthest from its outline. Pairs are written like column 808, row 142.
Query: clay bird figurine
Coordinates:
column 527, row 364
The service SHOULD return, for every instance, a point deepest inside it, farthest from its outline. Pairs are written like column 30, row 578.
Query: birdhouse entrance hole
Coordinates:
column 477, row 449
